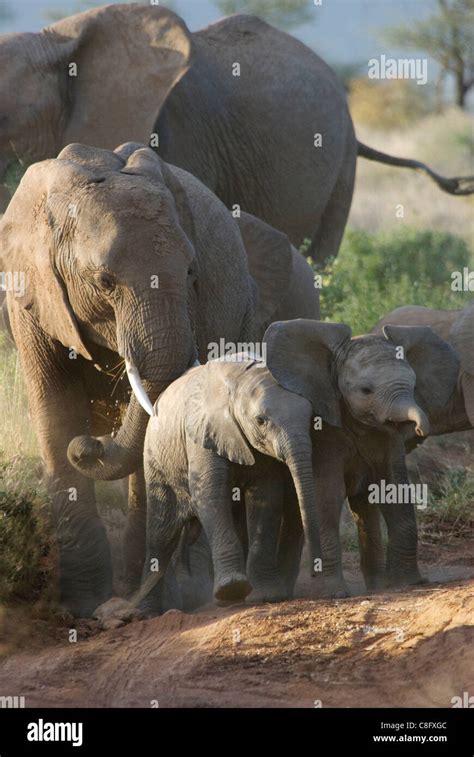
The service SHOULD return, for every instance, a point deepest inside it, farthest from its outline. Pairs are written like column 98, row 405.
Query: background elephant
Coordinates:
column 131, row 72
column 453, row 409
column 369, row 400
column 127, row 261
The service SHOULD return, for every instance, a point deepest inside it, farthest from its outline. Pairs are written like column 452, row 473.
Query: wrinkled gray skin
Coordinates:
column 250, row 138
column 220, row 427
column 368, row 396
column 439, row 346
column 448, row 396
column 90, row 230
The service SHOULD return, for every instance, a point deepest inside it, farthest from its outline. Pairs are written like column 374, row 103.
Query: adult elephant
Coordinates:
column 128, row 262
column 249, row 110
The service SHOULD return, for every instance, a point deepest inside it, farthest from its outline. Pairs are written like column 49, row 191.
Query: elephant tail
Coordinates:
column 463, row 185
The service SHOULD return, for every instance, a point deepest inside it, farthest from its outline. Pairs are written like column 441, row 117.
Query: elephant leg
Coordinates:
column 210, row 487
column 290, row 545
column 59, row 408
column 402, row 566
column 134, row 542
column 372, row 556
column 264, row 505
column 239, row 513
column 327, row 239
column 330, row 495
column 402, row 532
column 333, row 576
column 193, row 569
column 159, row 589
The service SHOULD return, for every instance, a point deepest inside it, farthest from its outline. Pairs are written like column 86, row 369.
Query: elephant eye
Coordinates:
column 260, row 420
column 105, row 281
column 366, row 390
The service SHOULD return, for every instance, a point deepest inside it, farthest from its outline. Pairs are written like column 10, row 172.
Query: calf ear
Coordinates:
column 434, row 361
column 269, row 257
column 300, row 357
column 209, row 419
column 462, row 337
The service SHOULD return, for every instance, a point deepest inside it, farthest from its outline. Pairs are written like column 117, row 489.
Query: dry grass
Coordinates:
column 16, row 435
column 446, row 143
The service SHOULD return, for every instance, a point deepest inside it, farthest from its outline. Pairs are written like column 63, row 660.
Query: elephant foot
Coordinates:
column 151, row 606
column 116, row 612
column 340, row 594
column 232, row 588
column 375, row 582
column 150, row 609
column 268, row 592
column 411, row 579
column 86, row 568
column 335, row 589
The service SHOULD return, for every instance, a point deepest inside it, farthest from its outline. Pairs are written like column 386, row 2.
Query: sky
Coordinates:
column 341, row 31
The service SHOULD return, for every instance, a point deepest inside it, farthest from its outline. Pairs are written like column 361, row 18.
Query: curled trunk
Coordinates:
column 406, row 409
column 108, row 458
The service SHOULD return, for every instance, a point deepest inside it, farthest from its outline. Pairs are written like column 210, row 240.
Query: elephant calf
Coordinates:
column 218, row 429
column 447, row 391
column 363, row 391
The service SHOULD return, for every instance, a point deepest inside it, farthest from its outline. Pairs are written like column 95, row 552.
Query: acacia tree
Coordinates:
column 447, row 36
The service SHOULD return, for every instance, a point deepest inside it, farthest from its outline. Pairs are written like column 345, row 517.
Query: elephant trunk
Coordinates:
column 406, row 409
column 107, row 458
column 298, row 458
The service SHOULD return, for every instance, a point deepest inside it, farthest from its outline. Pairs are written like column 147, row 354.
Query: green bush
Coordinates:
column 450, row 507
column 375, row 273
column 26, row 563
column 14, row 175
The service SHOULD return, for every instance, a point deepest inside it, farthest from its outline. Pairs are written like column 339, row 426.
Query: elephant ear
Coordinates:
column 127, row 60
column 434, row 361
column 462, row 338
column 269, row 256
column 300, row 356
column 209, row 419
column 28, row 250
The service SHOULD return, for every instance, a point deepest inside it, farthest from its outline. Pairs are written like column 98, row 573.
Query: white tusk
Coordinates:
column 137, row 388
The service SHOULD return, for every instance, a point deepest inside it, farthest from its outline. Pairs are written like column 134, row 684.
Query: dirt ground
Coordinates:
column 406, row 648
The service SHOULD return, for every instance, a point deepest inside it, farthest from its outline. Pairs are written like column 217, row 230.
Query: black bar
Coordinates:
column 316, row 731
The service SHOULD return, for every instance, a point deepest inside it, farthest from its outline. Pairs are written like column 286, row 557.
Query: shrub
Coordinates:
column 450, row 508
column 25, row 536
column 14, row 175
column 375, row 273
column 388, row 104
column 16, row 435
